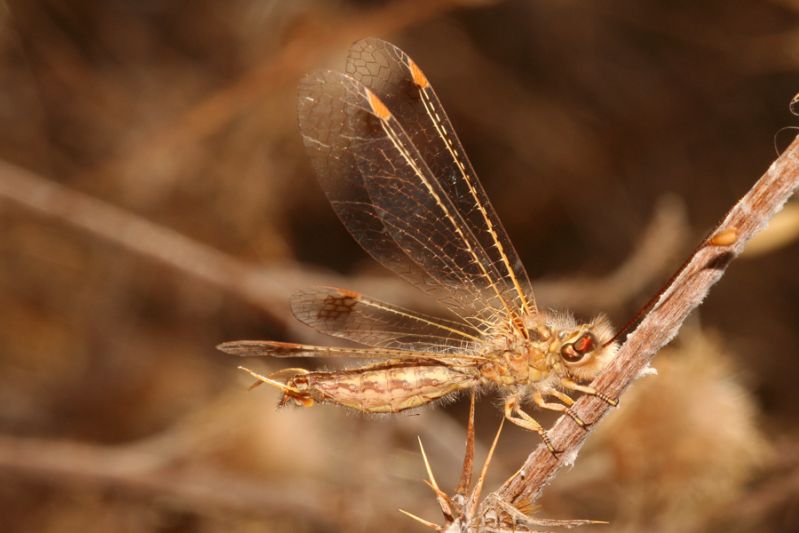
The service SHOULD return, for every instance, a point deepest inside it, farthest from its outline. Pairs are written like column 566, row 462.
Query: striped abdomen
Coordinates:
column 385, row 387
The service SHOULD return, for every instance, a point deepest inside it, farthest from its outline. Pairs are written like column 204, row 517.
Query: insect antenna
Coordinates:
column 725, row 237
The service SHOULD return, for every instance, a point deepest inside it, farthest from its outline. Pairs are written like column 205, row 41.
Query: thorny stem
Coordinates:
column 686, row 291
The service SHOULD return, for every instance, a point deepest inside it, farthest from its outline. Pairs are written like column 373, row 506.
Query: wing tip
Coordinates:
column 232, row 347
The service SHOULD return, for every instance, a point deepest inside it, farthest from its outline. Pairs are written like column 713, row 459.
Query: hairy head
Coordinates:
column 585, row 349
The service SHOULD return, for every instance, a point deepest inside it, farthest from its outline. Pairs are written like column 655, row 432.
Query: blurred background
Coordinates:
column 155, row 200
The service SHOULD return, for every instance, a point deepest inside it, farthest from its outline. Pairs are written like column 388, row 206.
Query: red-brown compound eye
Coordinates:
column 575, row 352
column 584, row 344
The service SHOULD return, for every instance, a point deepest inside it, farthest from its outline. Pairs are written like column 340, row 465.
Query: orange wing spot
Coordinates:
column 378, row 107
column 418, row 76
column 349, row 294
column 725, row 237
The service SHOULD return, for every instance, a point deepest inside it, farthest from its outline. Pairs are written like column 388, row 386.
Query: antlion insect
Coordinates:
column 396, row 174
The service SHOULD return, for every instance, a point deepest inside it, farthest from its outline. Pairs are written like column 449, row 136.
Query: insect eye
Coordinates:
column 584, row 344
column 577, row 350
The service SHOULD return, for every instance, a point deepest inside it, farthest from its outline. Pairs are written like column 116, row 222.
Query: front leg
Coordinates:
column 571, row 385
column 527, row 422
column 565, row 398
column 538, row 399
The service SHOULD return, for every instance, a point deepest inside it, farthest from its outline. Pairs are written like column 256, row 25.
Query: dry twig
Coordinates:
column 141, row 473
column 684, row 293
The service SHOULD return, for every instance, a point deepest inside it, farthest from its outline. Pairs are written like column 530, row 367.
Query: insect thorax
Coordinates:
column 519, row 362
column 555, row 346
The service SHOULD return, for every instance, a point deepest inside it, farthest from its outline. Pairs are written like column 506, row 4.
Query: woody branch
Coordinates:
column 685, row 292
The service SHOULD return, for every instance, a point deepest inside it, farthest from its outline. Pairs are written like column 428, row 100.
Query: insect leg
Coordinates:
column 538, row 398
column 565, row 398
column 571, row 385
column 526, row 421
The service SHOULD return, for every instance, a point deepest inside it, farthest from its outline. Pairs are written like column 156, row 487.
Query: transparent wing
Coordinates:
column 388, row 198
column 351, row 315
column 290, row 349
column 327, row 135
column 400, row 84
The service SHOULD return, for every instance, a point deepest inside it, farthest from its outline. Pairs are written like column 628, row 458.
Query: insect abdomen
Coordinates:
column 387, row 387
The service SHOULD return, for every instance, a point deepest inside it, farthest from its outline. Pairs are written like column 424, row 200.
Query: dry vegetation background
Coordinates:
column 169, row 206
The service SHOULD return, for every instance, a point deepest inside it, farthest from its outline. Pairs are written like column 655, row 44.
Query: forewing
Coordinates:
column 327, row 135
column 289, row 349
column 417, row 216
column 351, row 315
column 400, row 84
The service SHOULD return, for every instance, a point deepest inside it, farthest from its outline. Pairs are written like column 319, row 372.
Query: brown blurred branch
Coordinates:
column 258, row 286
column 313, row 37
column 198, row 488
column 685, row 292
column 655, row 250
column 269, row 287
